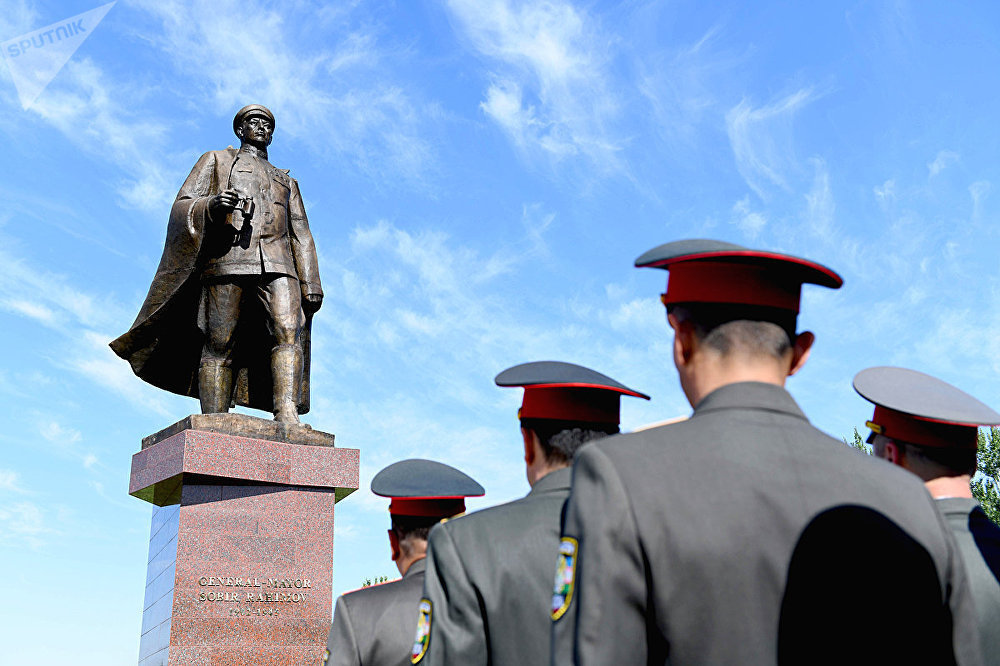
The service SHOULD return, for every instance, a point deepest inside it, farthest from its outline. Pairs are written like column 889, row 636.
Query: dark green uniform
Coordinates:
column 374, row 626
column 979, row 542
column 702, row 542
column 489, row 578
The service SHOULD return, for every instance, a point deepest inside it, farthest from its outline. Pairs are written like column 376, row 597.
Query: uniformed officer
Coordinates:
column 744, row 535
column 373, row 626
column 489, row 573
column 930, row 428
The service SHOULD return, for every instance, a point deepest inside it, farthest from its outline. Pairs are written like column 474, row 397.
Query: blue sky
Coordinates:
column 479, row 176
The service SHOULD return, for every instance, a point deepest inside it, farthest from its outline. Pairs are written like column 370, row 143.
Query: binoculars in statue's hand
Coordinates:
column 245, row 206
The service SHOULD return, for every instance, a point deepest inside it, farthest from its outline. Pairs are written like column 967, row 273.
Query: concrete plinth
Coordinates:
column 241, row 546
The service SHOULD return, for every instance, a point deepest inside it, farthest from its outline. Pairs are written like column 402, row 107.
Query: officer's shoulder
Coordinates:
column 641, row 439
column 490, row 518
column 371, row 592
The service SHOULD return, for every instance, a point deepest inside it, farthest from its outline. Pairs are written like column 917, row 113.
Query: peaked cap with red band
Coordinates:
column 566, row 392
column 919, row 409
column 710, row 271
column 425, row 488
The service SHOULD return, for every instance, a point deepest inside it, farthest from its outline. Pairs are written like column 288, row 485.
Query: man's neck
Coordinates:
column 536, row 473
column 718, row 372
column 404, row 563
column 254, row 150
column 949, row 486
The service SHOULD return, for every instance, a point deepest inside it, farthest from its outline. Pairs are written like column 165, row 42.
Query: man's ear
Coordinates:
column 394, row 544
column 894, row 453
column 529, row 437
column 685, row 341
column 800, row 351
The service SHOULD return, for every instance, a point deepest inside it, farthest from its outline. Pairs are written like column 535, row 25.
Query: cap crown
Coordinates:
column 424, row 479
column 566, row 392
column 915, row 407
column 711, row 271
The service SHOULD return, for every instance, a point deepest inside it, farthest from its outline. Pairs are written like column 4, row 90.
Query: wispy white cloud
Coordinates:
column 18, row 17
column 36, row 311
column 335, row 90
column 58, row 434
column 68, row 442
column 748, row 221
column 23, row 523
column 92, row 358
column 53, row 300
column 118, row 128
column 886, row 192
column 551, row 90
column 536, row 223
column 10, row 481
column 979, row 191
column 942, row 161
column 47, row 297
column 682, row 83
column 820, row 204
column 761, row 139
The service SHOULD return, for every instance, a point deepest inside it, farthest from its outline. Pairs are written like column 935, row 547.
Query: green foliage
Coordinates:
column 857, row 442
column 986, row 483
column 368, row 582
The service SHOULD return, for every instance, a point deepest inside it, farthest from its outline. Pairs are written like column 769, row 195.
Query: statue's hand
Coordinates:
column 312, row 302
column 223, row 202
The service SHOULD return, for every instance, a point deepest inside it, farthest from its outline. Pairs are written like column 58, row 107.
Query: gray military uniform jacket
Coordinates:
column 489, row 578
column 374, row 626
column 746, row 536
column 978, row 540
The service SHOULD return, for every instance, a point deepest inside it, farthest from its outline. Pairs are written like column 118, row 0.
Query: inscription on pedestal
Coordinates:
column 261, row 600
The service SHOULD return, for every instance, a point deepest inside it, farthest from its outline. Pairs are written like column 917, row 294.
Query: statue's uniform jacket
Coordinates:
column 686, row 534
column 978, row 540
column 279, row 240
column 374, row 626
column 489, row 578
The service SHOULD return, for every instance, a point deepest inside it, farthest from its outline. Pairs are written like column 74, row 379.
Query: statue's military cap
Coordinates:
column 566, row 392
column 252, row 109
column 919, row 409
column 711, row 271
column 425, row 488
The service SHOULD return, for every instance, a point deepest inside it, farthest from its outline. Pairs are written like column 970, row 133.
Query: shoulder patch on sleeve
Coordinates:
column 562, row 591
column 423, row 636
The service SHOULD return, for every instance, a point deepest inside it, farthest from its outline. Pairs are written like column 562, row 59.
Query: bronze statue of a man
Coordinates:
column 227, row 318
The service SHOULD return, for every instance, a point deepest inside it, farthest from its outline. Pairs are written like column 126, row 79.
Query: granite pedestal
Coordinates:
column 241, row 541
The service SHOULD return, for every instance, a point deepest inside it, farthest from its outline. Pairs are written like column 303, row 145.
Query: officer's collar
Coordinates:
column 417, row 567
column 558, row 479
column 251, row 149
column 751, row 395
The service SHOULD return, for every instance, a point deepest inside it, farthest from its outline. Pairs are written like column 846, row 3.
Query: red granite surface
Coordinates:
column 156, row 470
column 231, row 525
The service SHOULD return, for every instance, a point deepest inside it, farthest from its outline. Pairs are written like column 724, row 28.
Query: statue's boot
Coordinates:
column 215, row 388
column 286, row 369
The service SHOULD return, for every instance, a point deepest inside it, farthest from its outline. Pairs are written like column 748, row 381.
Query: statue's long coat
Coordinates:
column 165, row 342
